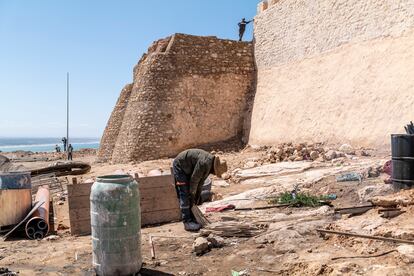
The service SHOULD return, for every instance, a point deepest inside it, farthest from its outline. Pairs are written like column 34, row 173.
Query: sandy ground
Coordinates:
column 288, row 244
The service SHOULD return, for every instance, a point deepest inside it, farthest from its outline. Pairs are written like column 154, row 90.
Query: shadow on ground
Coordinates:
column 152, row 272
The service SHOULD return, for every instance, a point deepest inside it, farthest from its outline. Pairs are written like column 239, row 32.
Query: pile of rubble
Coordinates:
column 304, row 151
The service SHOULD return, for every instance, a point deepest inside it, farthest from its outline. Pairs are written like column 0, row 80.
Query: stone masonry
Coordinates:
column 292, row 30
column 333, row 71
column 187, row 91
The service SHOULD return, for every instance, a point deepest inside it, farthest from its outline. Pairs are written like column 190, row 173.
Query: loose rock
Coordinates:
column 314, row 155
column 369, row 192
column 329, row 155
column 51, row 238
column 216, row 241
column 225, row 176
column 347, row 149
column 407, row 253
column 200, row 246
column 250, row 164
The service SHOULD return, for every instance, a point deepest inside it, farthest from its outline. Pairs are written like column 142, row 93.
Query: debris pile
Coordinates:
column 308, row 151
column 291, row 152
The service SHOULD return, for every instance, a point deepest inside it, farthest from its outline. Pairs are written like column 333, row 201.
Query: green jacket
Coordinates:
column 197, row 164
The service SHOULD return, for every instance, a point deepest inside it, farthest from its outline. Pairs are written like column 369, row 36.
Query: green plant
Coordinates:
column 300, row 200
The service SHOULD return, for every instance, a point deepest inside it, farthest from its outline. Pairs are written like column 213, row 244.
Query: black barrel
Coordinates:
column 402, row 151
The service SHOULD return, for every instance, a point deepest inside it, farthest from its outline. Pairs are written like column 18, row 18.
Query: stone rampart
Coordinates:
column 188, row 91
column 333, row 71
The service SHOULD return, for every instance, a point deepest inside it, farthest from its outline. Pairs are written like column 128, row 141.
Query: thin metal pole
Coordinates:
column 67, row 111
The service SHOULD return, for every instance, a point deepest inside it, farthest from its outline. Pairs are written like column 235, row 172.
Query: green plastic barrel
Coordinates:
column 116, row 225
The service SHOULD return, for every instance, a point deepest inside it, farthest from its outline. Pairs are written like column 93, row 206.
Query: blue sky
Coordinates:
column 98, row 42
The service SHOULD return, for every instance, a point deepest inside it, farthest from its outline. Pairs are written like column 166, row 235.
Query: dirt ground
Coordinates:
column 288, row 243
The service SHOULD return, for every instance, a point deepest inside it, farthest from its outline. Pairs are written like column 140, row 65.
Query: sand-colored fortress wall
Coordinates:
column 188, row 91
column 111, row 133
column 334, row 71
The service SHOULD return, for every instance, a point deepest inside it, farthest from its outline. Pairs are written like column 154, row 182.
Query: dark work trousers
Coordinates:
column 183, row 192
column 182, row 187
column 69, row 156
column 241, row 33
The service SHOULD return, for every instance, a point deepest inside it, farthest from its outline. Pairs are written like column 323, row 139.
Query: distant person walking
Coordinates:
column 57, row 148
column 70, row 152
column 64, row 141
column 242, row 28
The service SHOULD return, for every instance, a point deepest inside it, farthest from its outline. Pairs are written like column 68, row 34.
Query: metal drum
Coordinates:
column 15, row 197
column 402, row 151
column 116, row 225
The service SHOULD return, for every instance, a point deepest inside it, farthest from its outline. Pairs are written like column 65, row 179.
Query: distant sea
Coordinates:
column 44, row 144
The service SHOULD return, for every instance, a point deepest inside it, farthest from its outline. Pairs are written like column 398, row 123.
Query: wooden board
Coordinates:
column 80, row 227
column 61, row 214
column 166, row 203
column 158, row 199
column 14, row 206
column 152, row 182
column 79, row 208
column 159, row 202
column 83, row 189
column 54, row 184
column 78, row 202
column 80, row 214
column 161, row 216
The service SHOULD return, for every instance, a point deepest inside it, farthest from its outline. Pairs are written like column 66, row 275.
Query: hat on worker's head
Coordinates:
column 220, row 166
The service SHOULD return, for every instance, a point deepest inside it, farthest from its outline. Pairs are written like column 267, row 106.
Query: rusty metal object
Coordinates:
column 323, row 231
column 37, row 226
column 35, row 207
column 355, row 210
column 367, row 256
column 388, row 209
column 62, row 169
column 391, row 214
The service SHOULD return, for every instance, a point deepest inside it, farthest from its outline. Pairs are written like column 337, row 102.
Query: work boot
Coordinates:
column 192, row 226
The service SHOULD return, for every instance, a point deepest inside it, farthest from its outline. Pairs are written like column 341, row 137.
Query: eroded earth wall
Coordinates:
column 188, row 91
column 333, row 71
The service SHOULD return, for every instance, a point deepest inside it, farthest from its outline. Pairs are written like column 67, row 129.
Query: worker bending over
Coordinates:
column 191, row 168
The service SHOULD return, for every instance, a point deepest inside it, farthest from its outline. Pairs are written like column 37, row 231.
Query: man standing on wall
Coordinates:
column 191, row 168
column 242, row 28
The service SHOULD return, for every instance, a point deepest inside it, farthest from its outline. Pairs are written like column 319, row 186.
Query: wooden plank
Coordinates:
column 14, row 205
column 80, row 214
column 61, row 213
column 41, row 178
column 152, row 194
column 78, row 202
column 161, row 204
column 155, row 181
column 150, row 218
column 80, row 227
column 37, row 183
column 83, row 189
column 49, row 175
